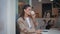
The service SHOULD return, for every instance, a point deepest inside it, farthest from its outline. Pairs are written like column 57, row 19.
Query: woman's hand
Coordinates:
column 33, row 16
column 34, row 19
column 38, row 31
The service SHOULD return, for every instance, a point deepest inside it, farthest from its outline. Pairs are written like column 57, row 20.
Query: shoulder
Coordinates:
column 20, row 19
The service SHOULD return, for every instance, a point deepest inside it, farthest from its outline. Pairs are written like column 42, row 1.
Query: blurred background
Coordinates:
column 47, row 12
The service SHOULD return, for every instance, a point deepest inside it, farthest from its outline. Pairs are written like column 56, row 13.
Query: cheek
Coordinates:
column 28, row 12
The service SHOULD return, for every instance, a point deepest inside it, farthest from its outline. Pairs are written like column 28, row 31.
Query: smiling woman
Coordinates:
column 26, row 22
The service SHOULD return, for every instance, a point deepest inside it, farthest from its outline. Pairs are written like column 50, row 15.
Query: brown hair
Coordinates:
column 24, row 7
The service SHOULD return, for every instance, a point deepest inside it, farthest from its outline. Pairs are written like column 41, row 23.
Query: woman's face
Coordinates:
column 48, row 15
column 27, row 10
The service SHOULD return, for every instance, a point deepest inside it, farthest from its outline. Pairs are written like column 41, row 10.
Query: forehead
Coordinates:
column 28, row 7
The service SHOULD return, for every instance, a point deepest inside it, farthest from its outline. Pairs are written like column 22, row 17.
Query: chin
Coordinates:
column 28, row 14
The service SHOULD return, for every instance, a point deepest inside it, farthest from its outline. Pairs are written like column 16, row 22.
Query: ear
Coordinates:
column 24, row 10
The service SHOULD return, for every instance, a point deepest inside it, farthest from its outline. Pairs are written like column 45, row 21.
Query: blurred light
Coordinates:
column 39, row 0
column 51, row 0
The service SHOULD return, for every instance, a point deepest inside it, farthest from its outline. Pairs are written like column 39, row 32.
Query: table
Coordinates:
column 51, row 31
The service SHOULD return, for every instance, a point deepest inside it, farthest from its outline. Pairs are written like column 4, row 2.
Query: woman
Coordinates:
column 27, row 21
column 48, row 21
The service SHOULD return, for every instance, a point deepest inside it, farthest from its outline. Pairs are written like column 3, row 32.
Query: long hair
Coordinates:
column 23, row 12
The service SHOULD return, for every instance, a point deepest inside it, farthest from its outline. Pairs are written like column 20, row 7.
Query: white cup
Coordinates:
column 32, row 13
